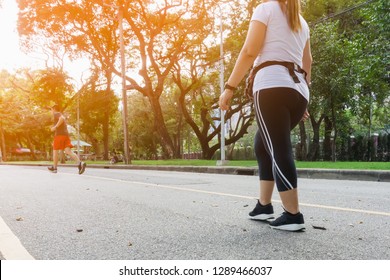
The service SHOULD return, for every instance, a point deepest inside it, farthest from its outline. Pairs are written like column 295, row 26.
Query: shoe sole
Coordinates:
column 83, row 166
column 290, row 227
column 263, row 217
column 52, row 170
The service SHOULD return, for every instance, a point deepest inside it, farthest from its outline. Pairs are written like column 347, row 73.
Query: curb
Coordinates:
column 328, row 174
column 337, row 174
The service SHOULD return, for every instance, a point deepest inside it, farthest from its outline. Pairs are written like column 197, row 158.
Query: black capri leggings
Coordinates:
column 278, row 111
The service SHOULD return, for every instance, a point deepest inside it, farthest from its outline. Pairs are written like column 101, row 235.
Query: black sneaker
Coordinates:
column 52, row 169
column 262, row 213
column 289, row 222
column 82, row 166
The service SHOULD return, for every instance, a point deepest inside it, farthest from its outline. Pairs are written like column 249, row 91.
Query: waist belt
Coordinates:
column 291, row 66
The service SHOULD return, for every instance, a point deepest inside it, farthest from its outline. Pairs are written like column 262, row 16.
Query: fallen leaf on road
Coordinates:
column 318, row 227
column 130, row 244
column 246, row 205
column 79, row 230
column 19, row 219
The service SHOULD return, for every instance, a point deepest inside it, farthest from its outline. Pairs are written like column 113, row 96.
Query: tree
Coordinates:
column 82, row 28
column 165, row 34
column 177, row 64
column 95, row 106
column 144, row 139
column 51, row 86
column 372, row 59
column 199, row 84
column 23, row 121
column 341, row 63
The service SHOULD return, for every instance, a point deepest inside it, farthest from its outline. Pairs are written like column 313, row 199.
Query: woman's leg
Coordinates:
column 267, row 181
column 278, row 110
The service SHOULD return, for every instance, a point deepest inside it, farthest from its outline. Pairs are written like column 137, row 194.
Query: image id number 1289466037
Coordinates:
column 266, row 270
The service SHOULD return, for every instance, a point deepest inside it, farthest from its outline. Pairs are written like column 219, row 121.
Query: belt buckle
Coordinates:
column 296, row 67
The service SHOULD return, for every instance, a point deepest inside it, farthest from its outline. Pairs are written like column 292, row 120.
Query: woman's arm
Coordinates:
column 307, row 60
column 250, row 50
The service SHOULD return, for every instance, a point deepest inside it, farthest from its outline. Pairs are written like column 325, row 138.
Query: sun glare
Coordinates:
column 10, row 54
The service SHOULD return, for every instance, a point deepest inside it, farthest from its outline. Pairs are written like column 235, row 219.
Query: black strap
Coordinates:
column 291, row 66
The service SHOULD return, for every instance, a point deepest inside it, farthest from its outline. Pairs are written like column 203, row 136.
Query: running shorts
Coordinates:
column 61, row 142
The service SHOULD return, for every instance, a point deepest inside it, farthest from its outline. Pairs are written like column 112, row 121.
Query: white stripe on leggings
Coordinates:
column 268, row 140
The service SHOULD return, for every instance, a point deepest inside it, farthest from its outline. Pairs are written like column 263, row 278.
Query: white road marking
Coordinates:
column 10, row 245
column 12, row 249
column 236, row 195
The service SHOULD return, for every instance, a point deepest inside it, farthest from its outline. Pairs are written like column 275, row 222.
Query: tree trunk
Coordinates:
column 106, row 133
column 177, row 153
column 209, row 152
column 106, row 120
column 31, row 147
column 2, row 144
column 230, row 150
column 161, row 129
column 302, row 146
column 314, row 148
column 328, row 139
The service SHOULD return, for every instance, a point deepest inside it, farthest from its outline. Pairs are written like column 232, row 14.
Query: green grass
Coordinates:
column 183, row 162
column 345, row 165
column 248, row 163
column 252, row 163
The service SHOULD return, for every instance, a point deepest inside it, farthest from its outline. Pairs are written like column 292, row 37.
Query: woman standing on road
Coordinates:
column 278, row 46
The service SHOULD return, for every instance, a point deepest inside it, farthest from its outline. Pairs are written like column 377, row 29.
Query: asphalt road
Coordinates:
column 139, row 214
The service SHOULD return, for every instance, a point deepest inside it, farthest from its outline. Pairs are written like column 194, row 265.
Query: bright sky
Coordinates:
column 11, row 56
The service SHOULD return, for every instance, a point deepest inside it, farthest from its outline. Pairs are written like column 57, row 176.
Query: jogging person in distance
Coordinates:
column 278, row 47
column 62, row 141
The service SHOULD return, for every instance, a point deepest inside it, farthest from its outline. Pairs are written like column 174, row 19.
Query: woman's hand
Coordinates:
column 224, row 99
column 305, row 116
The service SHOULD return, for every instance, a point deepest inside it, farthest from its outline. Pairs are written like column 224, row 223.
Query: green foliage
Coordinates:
column 175, row 49
column 350, row 75
column 143, row 137
column 51, row 86
column 24, row 121
column 94, row 103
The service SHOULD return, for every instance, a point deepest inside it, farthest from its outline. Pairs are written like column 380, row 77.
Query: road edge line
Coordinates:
column 10, row 246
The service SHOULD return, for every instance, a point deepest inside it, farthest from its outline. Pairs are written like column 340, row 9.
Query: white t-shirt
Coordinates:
column 281, row 44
